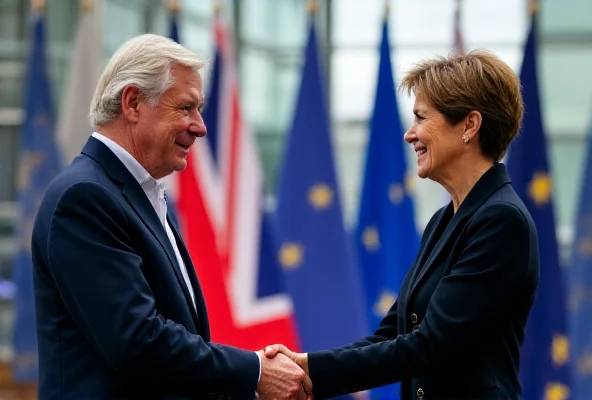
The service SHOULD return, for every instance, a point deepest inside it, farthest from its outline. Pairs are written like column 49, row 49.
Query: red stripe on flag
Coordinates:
column 199, row 235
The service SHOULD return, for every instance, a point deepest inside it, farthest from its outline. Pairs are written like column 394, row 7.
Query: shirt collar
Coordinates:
column 133, row 166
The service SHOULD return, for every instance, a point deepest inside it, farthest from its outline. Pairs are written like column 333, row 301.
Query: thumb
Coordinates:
column 271, row 351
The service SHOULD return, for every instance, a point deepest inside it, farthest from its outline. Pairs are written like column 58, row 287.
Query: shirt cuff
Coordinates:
column 259, row 357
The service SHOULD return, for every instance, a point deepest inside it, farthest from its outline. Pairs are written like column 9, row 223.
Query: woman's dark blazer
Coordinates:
column 456, row 329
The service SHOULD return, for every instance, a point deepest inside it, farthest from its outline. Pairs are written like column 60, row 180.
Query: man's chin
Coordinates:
column 181, row 165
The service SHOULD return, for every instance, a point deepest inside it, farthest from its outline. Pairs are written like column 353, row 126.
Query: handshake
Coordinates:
column 284, row 374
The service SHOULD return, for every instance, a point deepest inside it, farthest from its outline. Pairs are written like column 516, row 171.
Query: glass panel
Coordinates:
column 12, row 15
column 567, row 161
column 257, row 77
column 357, row 23
column 290, row 23
column 566, row 16
column 203, row 8
column 122, row 20
column 487, row 23
column 285, row 92
column 353, row 83
column 271, row 148
column 422, row 22
column 349, row 142
column 9, row 146
column 11, row 83
column 566, row 92
column 197, row 37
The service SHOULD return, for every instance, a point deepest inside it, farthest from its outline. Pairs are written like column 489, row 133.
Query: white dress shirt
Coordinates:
column 155, row 192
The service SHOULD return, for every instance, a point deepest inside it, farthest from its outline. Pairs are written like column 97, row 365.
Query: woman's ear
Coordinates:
column 472, row 125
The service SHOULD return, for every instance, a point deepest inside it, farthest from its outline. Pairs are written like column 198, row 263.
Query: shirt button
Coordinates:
column 420, row 393
column 414, row 318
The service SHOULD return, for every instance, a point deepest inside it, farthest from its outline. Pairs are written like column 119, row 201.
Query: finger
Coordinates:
column 301, row 394
column 307, row 384
column 271, row 351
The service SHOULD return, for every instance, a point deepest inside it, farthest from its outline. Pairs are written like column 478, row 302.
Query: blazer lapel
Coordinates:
column 199, row 297
column 136, row 198
column 489, row 183
column 433, row 238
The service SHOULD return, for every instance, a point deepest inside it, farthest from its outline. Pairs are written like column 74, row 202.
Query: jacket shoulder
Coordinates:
column 507, row 205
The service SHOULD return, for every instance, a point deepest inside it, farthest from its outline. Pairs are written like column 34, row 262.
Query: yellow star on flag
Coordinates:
column 320, row 196
column 539, row 188
column 291, row 255
column 384, row 303
column 371, row 239
column 560, row 350
column 556, row 391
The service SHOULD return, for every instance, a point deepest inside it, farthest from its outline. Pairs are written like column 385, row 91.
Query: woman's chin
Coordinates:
column 423, row 173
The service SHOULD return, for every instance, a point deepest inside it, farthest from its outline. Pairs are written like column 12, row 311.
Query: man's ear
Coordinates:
column 130, row 103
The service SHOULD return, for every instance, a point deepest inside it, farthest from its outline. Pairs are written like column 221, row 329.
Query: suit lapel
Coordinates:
column 488, row 184
column 136, row 198
column 199, row 297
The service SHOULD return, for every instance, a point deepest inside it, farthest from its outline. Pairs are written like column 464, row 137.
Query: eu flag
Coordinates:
column 386, row 237
column 314, row 253
column 581, row 288
column 38, row 164
column 544, row 357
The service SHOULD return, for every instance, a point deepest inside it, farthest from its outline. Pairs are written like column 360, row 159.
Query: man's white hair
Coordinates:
column 144, row 61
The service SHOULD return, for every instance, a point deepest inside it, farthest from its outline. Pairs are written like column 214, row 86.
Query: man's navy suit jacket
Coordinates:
column 115, row 319
column 456, row 329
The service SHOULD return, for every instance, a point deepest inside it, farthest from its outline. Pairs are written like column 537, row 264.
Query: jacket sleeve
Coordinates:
column 468, row 303
column 101, row 281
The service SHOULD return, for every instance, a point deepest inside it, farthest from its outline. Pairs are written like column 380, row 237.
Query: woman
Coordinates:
column 456, row 329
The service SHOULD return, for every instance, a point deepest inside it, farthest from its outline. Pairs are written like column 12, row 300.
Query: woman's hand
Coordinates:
column 299, row 358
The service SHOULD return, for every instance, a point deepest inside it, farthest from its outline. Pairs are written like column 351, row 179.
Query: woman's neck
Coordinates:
column 462, row 178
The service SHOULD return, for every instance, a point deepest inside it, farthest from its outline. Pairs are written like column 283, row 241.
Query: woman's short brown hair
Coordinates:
column 480, row 81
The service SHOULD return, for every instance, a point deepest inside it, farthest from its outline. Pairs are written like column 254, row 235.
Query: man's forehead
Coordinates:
column 188, row 80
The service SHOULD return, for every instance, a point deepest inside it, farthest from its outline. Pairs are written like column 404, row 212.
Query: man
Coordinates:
column 120, row 312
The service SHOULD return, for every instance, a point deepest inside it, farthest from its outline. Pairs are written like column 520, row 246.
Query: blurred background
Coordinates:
column 269, row 39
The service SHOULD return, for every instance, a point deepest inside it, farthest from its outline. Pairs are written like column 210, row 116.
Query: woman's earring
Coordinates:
column 465, row 138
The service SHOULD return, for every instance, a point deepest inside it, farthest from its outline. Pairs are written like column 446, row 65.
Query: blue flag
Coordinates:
column 38, row 165
column 174, row 27
column 386, row 237
column 581, row 287
column 314, row 253
column 544, row 368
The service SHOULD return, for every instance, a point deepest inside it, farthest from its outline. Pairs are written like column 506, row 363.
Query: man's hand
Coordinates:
column 282, row 379
column 299, row 358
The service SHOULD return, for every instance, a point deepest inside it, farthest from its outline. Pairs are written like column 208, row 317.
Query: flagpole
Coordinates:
column 217, row 8
column 174, row 6
column 86, row 5
column 38, row 5
column 533, row 7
